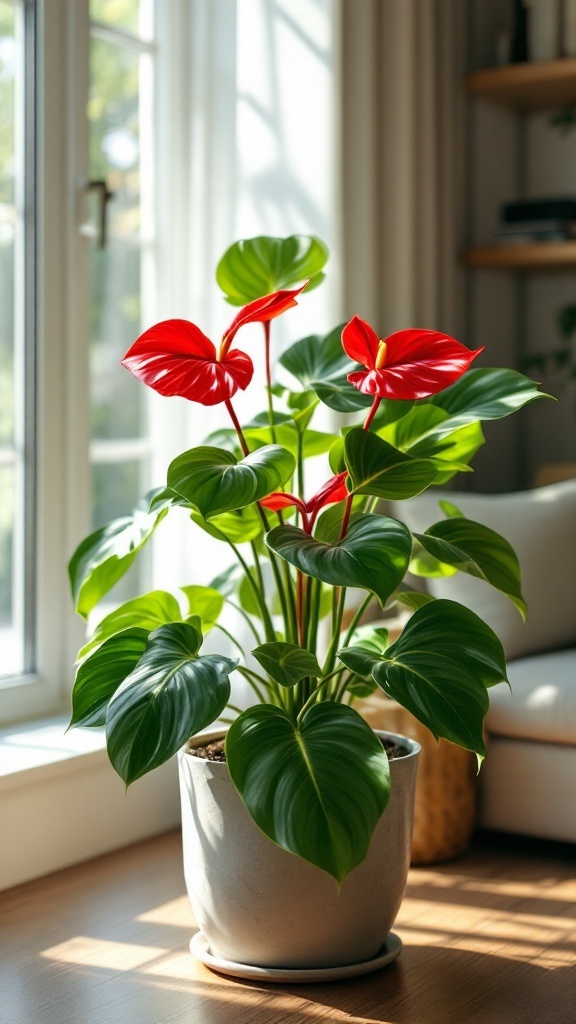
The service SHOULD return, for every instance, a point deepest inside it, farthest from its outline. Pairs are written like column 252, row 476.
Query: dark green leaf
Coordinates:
column 422, row 433
column 439, row 669
column 317, row 358
column 374, row 554
column 376, row 468
column 254, row 267
column 287, row 664
column 317, row 789
column 473, row 548
column 368, row 643
column 170, row 695
column 341, row 396
column 107, row 554
column 214, row 481
column 485, row 394
column 99, row 676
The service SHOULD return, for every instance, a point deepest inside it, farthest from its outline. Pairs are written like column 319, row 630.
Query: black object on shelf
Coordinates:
column 519, row 47
column 557, row 209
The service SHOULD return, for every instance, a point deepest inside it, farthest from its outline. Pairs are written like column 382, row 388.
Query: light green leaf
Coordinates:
column 287, row 664
column 450, row 510
column 106, row 555
column 412, row 599
column 170, row 695
column 422, row 433
column 317, row 788
column 215, row 481
column 376, row 468
column 206, row 603
column 369, row 643
column 426, row 565
column 99, row 676
column 148, row 611
column 254, row 267
column 374, row 554
column 473, row 548
column 240, row 526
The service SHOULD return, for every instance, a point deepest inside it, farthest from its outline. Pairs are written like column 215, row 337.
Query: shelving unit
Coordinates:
column 530, row 87
column 525, row 88
column 527, row 257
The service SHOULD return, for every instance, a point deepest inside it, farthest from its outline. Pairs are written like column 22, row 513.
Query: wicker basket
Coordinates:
column 445, row 808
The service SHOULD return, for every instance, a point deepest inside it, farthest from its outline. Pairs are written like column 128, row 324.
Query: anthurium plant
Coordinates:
column 313, row 775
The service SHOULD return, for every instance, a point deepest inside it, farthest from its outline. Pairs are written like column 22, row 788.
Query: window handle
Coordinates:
column 104, row 194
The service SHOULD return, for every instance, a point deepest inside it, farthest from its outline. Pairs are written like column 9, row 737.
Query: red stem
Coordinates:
column 237, row 427
column 372, row 413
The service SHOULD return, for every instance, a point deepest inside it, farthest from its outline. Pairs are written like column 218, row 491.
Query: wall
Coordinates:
column 508, row 157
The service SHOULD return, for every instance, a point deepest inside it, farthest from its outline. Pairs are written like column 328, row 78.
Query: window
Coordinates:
column 163, row 104
column 16, row 342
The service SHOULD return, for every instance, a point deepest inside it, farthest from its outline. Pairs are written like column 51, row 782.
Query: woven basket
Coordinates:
column 445, row 808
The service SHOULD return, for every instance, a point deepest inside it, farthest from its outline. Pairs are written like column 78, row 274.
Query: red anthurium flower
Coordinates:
column 176, row 358
column 407, row 365
column 332, row 491
column 259, row 311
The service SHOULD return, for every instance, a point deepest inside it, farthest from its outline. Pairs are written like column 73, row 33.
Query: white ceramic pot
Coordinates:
column 257, row 904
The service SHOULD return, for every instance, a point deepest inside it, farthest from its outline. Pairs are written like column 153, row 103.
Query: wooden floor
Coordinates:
column 489, row 939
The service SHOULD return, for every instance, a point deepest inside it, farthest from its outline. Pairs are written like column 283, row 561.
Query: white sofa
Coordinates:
column 528, row 781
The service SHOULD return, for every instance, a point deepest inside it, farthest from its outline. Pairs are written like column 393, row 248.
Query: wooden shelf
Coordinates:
column 530, row 256
column 533, row 86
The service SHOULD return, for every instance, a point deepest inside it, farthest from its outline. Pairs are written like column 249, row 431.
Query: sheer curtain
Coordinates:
column 403, row 168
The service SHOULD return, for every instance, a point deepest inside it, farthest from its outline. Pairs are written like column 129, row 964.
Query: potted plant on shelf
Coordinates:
column 296, row 822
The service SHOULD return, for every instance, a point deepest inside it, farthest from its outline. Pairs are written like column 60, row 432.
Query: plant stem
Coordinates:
column 251, row 678
column 230, row 637
column 336, row 624
column 372, row 412
column 247, row 619
column 271, row 419
column 356, row 618
column 237, row 427
column 258, row 594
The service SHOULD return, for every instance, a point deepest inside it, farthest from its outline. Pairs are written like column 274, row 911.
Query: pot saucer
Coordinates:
column 297, row 976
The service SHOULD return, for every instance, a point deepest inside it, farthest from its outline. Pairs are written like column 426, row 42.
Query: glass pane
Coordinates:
column 11, row 640
column 113, row 109
column 6, row 334
column 118, row 407
column 122, row 14
column 116, row 488
column 8, row 54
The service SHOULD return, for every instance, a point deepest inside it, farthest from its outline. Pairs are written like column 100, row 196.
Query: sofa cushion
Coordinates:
column 542, row 702
column 541, row 527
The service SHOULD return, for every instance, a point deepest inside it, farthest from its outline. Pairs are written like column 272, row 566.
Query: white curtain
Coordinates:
column 403, row 63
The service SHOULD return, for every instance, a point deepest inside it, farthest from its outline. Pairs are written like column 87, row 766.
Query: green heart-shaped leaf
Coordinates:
column 374, row 554
column 376, row 468
column 206, row 603
column 99, row 676
column 254, row 267
column 170, row 695
column 287, row 664
column 439, row 669
column 148, row 612
column 485, row 394
column 240, row 526
column 473, row 548
column 321, row 363
column 318, row 788
column 215, row 481
column 107, row 554
column 422, row 434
